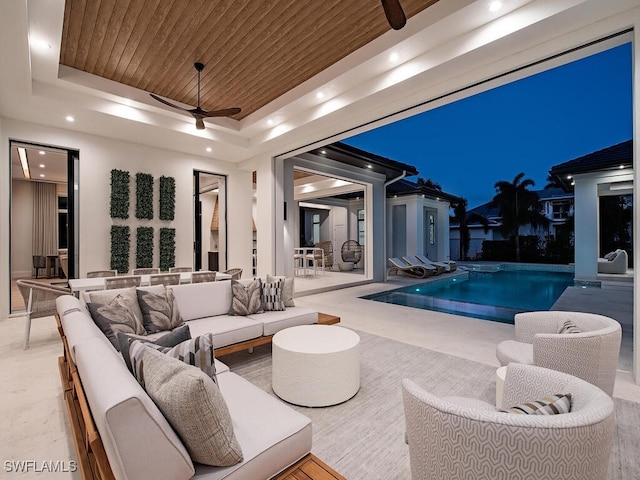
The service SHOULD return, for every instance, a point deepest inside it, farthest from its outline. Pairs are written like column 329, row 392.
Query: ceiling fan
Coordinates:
column 395, row 15
column 198, row 113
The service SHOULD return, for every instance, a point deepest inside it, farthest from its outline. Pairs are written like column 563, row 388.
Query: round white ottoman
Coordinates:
column 316, row 365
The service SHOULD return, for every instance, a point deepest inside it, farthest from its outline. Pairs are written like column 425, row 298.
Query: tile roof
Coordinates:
column 605, row 159
column 407, row 187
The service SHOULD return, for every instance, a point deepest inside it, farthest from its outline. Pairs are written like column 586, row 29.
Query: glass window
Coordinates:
column 432, row 230
column 316, row 228
column 361, row 227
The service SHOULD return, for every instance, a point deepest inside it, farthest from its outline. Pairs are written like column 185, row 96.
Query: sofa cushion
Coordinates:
column 194, row 406
column 273, row 322
column 287, row 289
column 201, row 300
column 247, row 298
column 170, row 339
column 197, row 352
column 227, row 329
column 272, row 296
column 115, row 317
column 159, row 310
column 285, row 434
column 551, row 405
column 138, row 440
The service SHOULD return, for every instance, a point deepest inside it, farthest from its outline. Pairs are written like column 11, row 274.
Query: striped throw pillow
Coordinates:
column 272, row 296
column 197, row 351
column 555, row 404
column 569, row 327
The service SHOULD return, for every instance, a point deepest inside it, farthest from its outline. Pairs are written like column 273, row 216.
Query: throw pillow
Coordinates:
column 128, row 294
column 114, row 317
column 611, row 256
column 198, row 352
column 555, row 404
column 272, row 296
column 159, row 310
column 569, row 327
column 195, row 408
column 170, row 339
column 287, row 289
column 247, row 299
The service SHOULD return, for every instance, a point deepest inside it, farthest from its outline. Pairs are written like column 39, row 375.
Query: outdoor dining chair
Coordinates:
column 201, row 277
column 126, row 281
column 102, row 273
column 165, row 279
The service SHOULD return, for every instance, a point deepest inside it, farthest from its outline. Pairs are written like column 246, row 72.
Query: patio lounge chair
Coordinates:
column 449, row 266
column 416, row 271
column 434, row 269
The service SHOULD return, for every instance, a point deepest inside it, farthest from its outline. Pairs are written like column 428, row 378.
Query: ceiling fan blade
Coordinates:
column 395, row 15
column 227, row 112
column 162, row 100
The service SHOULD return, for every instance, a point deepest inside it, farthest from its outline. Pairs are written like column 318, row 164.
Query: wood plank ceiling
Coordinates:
column 253, row 50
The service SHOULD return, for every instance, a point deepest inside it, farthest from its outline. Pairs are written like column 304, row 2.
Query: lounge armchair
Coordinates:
column 415, row 271
column 453, row 438
column 614, row 262
column 590, row 354
column 40, row 301
column 448, row 266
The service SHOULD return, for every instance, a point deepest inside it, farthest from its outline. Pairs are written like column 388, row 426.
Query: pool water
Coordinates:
column 496, row 296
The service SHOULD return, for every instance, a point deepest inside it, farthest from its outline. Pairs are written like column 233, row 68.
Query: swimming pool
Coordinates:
column 490, row 295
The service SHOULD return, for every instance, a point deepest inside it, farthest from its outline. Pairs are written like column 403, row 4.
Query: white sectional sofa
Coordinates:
column 132, row 439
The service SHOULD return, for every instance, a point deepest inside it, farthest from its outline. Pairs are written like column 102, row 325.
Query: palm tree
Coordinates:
column 464, row 219
column 429, row 183
column 517, row 206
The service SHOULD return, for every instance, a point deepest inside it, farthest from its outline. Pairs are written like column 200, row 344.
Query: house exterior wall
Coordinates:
column 98, row 156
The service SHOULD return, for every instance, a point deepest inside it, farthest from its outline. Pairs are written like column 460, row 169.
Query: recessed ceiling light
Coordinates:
column 209, row 149
column 568, row 177
column 394, row 57
column 621, row 167
column 270, row 121
column 42, row 175
column 495, row 6
column 42, row 152
column 42, row 165
column 319, row 95
column 369, row 166
column 323, row 152
column 69, row 118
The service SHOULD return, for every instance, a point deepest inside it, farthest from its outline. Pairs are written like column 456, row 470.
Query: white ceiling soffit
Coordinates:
column 318, row 186
column 448, row 46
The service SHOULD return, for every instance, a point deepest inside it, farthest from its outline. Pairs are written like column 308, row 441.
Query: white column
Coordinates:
column 636, row 196
column 586, row 228
column 267, row 220
column 5, row 238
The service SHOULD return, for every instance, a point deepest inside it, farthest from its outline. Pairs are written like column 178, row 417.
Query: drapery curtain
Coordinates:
column 45, row 219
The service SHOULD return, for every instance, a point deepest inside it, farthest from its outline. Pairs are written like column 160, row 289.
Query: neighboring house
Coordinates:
column 557, row 206
column 606, row 172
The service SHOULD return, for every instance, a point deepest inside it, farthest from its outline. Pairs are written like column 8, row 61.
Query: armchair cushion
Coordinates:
column 511, row 351
column 551, row 405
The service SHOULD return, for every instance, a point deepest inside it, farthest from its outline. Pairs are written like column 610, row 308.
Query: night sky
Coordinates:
column 525, row 126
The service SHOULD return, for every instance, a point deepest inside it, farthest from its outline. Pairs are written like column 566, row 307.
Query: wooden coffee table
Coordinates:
column 309, row 467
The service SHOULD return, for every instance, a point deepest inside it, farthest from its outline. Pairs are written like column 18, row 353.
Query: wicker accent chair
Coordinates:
column 145, row 271
column 236, row 273
column 180, row 269
column 591, row 354
column 451, row 438
column 40, row 301
column 165, row 279
column 102, row 273
column 201, row 277
column 125, row 281
column 351, row 251
column 327, row 248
